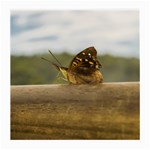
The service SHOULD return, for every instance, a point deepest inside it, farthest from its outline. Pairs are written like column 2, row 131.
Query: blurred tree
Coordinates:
column 33, row 70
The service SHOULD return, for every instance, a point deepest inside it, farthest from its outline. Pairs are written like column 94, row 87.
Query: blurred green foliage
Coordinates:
column 34, row 70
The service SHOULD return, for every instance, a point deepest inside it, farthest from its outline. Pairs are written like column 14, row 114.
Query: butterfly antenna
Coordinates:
column 57, row 67
column 46, row 60
column 54, row 57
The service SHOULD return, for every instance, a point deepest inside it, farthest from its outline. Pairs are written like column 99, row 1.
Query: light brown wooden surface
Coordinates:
column 103, row 111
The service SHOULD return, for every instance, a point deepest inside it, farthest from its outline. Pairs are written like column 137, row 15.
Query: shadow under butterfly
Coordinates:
column 83, row 69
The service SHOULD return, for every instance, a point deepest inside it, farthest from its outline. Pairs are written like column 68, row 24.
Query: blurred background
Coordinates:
column 114, row 34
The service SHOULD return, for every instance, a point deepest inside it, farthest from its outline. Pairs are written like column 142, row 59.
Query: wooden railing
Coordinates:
column 103, row 111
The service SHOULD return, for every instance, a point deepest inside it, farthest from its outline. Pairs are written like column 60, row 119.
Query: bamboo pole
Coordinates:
column 102, row 111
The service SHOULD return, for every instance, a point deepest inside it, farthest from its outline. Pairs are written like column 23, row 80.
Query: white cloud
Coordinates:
column 77, row 30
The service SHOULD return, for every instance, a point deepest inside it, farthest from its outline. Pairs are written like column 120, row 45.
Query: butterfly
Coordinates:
column 83, row 69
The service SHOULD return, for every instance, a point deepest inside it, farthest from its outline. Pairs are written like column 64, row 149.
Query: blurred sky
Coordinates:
column 110, row 32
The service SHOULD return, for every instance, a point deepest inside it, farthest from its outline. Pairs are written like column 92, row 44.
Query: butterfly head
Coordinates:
column 63, row 70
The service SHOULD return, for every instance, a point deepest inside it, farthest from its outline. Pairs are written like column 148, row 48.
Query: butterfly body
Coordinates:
column 84, row 68
column 95, row 77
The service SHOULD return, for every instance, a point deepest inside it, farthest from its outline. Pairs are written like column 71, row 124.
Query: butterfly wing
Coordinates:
column 85, row 62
